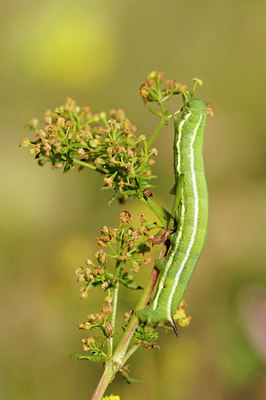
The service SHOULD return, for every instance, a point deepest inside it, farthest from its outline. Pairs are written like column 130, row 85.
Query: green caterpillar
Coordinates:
column 190, row 212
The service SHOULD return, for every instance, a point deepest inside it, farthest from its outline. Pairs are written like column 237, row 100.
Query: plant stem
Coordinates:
column 162, row 214
column 130, row 352
column 114, row 306
column 120, row 356
column 87, row 165
column 155, row 133
column 111, row 367
column 84, row 164
column 106, row 378
column 123, row 345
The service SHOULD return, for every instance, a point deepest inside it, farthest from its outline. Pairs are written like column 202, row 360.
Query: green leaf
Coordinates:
column 163, row 215
column 64, row 150
column 143, row 248
column 148, row 185
column 113, row 198
column 86, row 357
column 128, row 378
column 151, row 225
column 130, row 192
column 67, row 168
column 129, row 283
column 131, row 380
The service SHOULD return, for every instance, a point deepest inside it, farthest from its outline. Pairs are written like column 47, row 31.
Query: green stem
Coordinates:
column 106, row 378
column 162, row 214
column 130, row 352
column 114, row 305
column 87, row 165
column 121, row 349
column 157, row 130
column 114, row 294
column 160, row 102
column 120, row 356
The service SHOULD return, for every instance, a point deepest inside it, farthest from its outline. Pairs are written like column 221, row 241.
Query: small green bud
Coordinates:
column 152, row 75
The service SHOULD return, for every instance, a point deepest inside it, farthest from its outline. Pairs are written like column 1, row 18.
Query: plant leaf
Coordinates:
column 86, row 357
column 127, row 377
column 129, row 283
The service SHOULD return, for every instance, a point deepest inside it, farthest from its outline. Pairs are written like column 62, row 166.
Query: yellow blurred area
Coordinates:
column 64, row 48
column 99, row 53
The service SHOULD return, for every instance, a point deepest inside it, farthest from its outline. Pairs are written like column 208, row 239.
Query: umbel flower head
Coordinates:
column 72, row 135
column 124, row 246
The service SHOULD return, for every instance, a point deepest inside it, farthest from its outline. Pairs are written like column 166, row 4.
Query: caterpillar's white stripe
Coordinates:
column 168, row 265
column 195, row 220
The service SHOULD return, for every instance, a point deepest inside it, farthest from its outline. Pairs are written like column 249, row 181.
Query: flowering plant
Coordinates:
column 71, row 136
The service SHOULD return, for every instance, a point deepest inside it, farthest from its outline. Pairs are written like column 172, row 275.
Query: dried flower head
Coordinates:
column 72, row 135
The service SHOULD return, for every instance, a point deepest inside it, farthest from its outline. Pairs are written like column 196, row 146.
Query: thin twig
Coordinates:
column 114, row 306
column 87, row 165
column 130, row 352
column 156, row 132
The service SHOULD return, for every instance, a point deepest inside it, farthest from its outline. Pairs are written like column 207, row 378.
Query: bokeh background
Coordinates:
column 99, row 52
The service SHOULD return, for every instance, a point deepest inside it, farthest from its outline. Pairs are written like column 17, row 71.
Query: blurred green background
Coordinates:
column 99, row 52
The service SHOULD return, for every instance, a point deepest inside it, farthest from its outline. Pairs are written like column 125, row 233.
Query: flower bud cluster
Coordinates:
column 151, row 90
column 127, row 245
column 98, row 321
column 181, row 316
column 92, row 275
column 72, row 135
column 95, row 347
column 123, row 251
column 146, row 335
column 154, row 89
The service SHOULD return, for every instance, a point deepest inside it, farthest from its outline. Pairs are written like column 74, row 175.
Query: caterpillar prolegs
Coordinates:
column 190, row 213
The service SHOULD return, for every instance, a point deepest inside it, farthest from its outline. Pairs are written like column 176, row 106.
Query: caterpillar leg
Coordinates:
column 177, row 201
column 149, row 315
